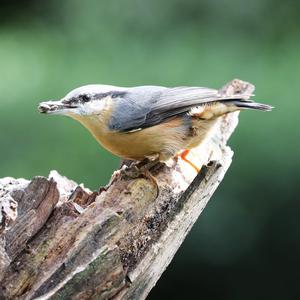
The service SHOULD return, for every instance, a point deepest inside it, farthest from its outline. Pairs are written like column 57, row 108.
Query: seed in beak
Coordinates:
column 43, row 108
column 46, row 107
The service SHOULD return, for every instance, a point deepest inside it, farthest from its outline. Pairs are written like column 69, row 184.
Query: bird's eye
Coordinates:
column 84, row 98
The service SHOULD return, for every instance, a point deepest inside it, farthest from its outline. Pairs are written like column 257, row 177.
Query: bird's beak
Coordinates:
column 55, row 107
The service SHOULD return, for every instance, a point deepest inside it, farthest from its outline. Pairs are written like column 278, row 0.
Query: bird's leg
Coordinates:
column 137, row 169
column 184, row 155
column 133, row 169
column 148, row 164
column 142, row 168
column 124, row 164
column 145, row 171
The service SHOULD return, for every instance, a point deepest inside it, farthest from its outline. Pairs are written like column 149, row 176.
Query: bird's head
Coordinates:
column 83, row 101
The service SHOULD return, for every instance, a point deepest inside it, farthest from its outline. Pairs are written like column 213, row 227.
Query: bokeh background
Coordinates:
column 246, row 244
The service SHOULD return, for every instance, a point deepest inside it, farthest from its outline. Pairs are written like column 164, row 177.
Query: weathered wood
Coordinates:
column 62, row 241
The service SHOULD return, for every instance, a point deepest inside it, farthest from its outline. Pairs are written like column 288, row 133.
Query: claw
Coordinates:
column 137, row 170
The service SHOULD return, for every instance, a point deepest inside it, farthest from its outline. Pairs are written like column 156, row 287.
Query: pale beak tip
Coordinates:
column 43, row 108
column 49, row 107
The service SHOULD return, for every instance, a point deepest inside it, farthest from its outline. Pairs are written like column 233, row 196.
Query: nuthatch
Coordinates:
column 151, row 121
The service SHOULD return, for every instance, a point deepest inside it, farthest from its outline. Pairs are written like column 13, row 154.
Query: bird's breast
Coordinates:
column 165, row 139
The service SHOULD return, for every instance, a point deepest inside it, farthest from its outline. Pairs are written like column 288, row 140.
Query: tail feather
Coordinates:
column 251, row 105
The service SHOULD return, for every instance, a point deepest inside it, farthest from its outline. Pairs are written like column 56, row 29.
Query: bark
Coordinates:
column 59, row 240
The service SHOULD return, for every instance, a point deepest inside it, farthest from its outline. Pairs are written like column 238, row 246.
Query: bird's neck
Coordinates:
column 97, row 124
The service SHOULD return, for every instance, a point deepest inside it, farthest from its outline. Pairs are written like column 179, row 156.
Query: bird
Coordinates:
column 152, row 123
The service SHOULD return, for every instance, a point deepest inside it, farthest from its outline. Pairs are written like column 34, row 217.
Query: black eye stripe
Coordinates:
column 70, row 100
column 84, row 98
column 113, row 94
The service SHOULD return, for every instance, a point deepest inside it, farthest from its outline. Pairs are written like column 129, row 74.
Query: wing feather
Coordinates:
column 142, row 107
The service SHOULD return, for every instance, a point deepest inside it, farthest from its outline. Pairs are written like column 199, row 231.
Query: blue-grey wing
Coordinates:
column 142, row 107
column 131, row 110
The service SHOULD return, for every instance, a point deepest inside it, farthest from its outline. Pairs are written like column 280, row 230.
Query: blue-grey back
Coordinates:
column 145, row 106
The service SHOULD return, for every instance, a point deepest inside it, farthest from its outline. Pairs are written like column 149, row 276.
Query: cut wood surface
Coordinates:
column 59, row 240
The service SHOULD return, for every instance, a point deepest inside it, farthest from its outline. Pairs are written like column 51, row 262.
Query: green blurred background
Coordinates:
column 246, row 243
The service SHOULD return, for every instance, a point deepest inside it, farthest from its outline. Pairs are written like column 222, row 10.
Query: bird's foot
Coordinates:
column 141, row 169
column 130, row 171
column 184, row 155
